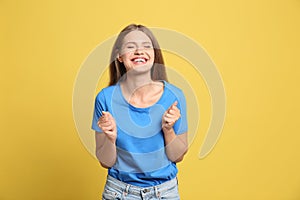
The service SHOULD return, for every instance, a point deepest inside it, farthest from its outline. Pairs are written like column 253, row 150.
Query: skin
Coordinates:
column 140, row 91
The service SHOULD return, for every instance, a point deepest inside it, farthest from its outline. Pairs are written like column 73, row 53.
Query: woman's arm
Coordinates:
column 105, row 150
column 106, row 141
column 176, row 145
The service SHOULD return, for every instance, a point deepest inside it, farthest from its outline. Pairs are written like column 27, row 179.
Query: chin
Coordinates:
column 141, row 69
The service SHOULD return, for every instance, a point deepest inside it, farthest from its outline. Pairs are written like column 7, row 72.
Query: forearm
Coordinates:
column 107, row 153
column 175, row 145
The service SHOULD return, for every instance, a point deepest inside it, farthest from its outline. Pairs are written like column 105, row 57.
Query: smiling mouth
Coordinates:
column 139, row 60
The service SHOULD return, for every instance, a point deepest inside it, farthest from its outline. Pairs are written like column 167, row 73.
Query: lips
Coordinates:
column 139, row 60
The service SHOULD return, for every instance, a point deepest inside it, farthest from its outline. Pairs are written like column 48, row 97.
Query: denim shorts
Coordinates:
column 118, row 190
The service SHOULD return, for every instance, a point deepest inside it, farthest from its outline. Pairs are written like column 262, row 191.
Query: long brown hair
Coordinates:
column 117, row 68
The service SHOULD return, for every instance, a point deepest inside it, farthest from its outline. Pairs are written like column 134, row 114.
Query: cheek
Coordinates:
column 151, row 54
column 125, row 56
column 152, row 58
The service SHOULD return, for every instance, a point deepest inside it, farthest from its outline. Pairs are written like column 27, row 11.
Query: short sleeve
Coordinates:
column 99, row 106
column 181, row 125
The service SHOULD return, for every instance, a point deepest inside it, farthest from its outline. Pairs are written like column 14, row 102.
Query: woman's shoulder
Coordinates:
column 174, row 92
column 108, row 88
column 173, row 88
column 104, row 92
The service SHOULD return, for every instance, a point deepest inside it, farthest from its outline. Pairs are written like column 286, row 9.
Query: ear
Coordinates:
column 119, row 58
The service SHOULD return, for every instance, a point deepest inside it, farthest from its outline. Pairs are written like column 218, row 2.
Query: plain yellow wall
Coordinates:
column 255, row 45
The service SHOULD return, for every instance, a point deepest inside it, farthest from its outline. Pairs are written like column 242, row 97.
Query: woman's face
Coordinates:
column 137, row 51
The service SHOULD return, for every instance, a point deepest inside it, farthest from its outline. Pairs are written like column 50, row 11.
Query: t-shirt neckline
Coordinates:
column 143, row 108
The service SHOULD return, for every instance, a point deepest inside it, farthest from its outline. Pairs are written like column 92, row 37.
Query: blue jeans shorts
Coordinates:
column 118, row 190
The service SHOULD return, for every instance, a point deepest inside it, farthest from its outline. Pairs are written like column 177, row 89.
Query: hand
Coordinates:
column 108, row 126
column 170, row 116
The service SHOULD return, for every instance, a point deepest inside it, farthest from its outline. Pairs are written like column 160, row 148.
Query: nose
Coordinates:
column 139, row 50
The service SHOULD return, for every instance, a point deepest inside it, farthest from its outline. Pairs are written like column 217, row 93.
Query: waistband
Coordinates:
column 132, row 189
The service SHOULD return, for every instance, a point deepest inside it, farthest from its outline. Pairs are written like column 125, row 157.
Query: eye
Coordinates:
column 130, row 47
column 148, row 46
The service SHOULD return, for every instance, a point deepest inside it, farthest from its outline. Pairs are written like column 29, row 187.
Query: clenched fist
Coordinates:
column 170, row 116
column 108, row 125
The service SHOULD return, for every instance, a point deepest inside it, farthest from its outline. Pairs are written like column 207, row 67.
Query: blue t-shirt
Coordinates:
column 141, row 157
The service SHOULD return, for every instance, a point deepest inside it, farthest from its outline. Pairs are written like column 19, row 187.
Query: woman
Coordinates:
column 140, row 121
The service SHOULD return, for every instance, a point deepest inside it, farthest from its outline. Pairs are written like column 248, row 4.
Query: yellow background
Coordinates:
column 255, row 45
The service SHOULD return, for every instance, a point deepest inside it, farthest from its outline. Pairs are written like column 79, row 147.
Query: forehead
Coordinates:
column 136, row 36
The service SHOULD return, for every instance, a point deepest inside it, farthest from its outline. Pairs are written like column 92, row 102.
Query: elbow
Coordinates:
column 103, row 165
column 177, row 158
column 106, row 163
column 180, row 158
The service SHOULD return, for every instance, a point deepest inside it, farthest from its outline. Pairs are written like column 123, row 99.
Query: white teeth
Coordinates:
column 139, row 60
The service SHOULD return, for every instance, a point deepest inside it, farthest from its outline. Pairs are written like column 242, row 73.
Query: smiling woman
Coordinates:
column 136, row 51
column 140, row 121
column 127, row 42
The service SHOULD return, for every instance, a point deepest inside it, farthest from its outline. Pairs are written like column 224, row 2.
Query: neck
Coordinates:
column 134, row 83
